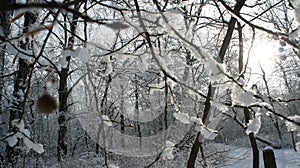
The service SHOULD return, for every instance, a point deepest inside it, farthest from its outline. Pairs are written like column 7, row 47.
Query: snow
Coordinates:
column 144, row 62
column 228, row 157
column 68, row 52
column 80, row 53
column 83, row 54
column 239, row 96
column 63, row 61
column 291, row 126
column 106, row 120
column 196, row 120
column 182, row 117
column 18, row 124
column 174, row 18
column 265, row 104
column 24, row 134
column 167, row 154
column 11, row 49
column 101, row 39
column 207, row 133
column 169, row 144
column 285, row 158
column 297, row 10
column 216, row 70
column 108, row 69
column 254, row 124
column 12, row 140
column 298, row 146
column 168, row 151
column 34, row 146
column 268, row 148
column 220, row 106
column 159, row 85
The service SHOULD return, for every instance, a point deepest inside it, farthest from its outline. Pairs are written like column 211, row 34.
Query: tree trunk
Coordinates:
column 198, row 140
column 269, row 158
column 20, row 84
column 225, row 44
column 62, row 147
column 4, row 26
column 252, row 138
column 102, row 105
column 230, row 29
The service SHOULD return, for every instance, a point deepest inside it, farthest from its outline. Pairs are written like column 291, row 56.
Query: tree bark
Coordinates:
column 62, row 147
column 4, row 26
column 255, row 151
column 20, row 85
column 252, row 138
column 231, row 25
column 205, row 119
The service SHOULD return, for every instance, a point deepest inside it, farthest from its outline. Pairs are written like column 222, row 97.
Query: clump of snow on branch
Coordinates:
column 240, row 96
column 254, row 124
column 216, row 71
column 196, row 120
column 31, row 145
column 80, row 53
column 109, row 68
column 168, row 150
column 106, row 120
column 220, row 106
column 207, row 133
column 83, row 54
column 13, row 138
column 182, row 117
column 101, row 39
column 266, row 105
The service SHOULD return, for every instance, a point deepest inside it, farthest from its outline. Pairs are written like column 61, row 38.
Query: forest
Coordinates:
column 149, row 83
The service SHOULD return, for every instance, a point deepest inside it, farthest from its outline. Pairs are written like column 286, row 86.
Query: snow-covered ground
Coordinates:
column 218, row 156
column 285, row 158
column 241, row 157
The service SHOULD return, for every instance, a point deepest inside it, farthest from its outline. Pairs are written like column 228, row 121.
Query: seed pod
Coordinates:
column 47, row 104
